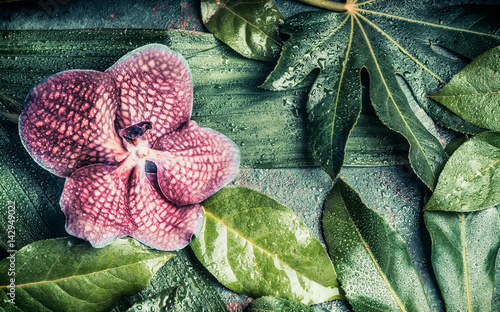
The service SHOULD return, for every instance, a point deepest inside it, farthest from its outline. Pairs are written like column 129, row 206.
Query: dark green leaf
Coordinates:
column 474, row 92
column 471, row 178
column 455, row 144
column 388, row 38
column 69, row 275
column 250, row 27
column 370, row 257
column 464, row 248
column 167, row 300
column 276, row 304
column 255, row 246
column 195, row 290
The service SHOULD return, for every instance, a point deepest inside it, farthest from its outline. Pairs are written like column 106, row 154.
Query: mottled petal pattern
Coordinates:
column 160, row 224
column 195, row 164
column 68, row 121
column 94, row 203
column 156, row 86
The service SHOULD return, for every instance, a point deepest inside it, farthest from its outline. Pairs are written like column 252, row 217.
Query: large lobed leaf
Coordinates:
column 474, row 92
column 464, row 249
column 389, row 38
column 250, row 27
column 255, row 246
column 471, row 178
column 68, row 275
column 370, row 257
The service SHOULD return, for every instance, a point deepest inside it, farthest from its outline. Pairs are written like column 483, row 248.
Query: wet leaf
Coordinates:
column 250, row 27
column 167, row 300
column 194, row 289
column 471, row 178
column 69, row 275
column 388, row 38
column 276, row 304
column 464, row 248
column 474, row 92
column 255, row 246
column 370, row 257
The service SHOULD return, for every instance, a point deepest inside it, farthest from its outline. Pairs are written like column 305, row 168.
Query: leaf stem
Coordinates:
column 14, row 118
column 329, row 5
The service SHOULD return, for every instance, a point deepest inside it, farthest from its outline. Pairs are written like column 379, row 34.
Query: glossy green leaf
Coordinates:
column 474, row 92
column 194, row 287
column 389, row 38
column 250, row 27
column 471, row 178
column 255, row 246
column 276, row 304
column 464, row 248
column 69, row 275
column 370, row 257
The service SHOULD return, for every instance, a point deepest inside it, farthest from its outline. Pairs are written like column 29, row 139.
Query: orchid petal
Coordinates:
column 94, row 203
column 156, row 86
column 160, row 223
column 68, row 121
column 195, row 163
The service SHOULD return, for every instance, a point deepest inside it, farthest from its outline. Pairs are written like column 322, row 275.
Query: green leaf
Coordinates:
column 250, row 27
column 255, row 246
column 455, row 144
column 276, row 304
column 388, row 38
column 471, row 178
column 370, row 257
column 474, row 92
column 68, row 275
column 464, row 248
column 173, row 299
column 195, row 289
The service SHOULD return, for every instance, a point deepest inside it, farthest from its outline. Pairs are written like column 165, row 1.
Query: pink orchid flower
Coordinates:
column 103, row 130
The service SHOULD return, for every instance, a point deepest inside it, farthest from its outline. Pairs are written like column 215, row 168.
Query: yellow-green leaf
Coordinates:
column 474, row 92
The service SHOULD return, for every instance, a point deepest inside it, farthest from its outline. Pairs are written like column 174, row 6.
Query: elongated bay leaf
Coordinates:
column 474, row 92
column 464, row 249
column 255, row 246
column 250, row 27
column 370, row 257
column 69, row 275
column 471, row 178
column 388, row 38
column 276, row 304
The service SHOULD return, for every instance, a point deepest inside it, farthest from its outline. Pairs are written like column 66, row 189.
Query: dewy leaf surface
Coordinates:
column 474, row 92
column 276, row 304
column 471, row 178
column 388, row 38
column 184, row 273
column 255, row 246
column 370, row 257
column 464, row 248
column 250, row 27
column 69, row 275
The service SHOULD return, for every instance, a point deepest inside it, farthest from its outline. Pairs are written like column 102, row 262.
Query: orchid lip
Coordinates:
column 133, row 132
